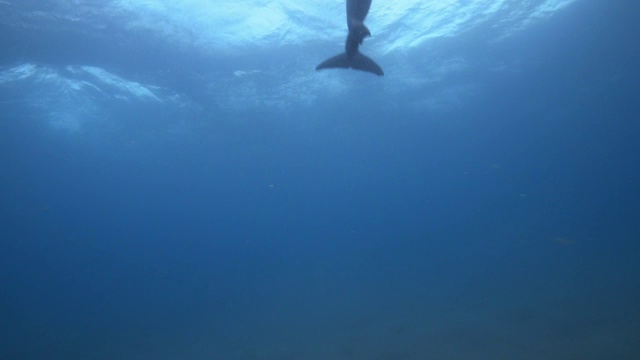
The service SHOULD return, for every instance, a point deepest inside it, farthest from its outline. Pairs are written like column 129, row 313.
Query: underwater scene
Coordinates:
column 319, row 180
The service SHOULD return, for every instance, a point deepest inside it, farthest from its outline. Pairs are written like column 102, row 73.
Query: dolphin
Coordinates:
column 352, row 58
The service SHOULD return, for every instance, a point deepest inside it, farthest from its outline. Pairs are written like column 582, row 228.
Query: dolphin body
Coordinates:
column 352, row 58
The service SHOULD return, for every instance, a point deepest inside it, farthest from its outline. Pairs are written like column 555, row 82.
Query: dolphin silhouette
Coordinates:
column 352, row 58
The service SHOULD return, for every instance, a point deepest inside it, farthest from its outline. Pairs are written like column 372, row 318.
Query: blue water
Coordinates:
column 176, row 186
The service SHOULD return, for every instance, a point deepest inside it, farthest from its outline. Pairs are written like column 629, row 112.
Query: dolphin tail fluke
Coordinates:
column 365, row 63
column 357, row 61
column 338, row 61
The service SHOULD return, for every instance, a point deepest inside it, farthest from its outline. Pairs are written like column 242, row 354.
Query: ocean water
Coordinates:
column 178, row 182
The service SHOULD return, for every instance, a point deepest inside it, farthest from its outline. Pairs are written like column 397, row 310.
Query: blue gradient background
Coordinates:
column 177, row 182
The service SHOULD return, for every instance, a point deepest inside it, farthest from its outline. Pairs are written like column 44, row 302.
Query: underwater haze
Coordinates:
column 177, row 181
